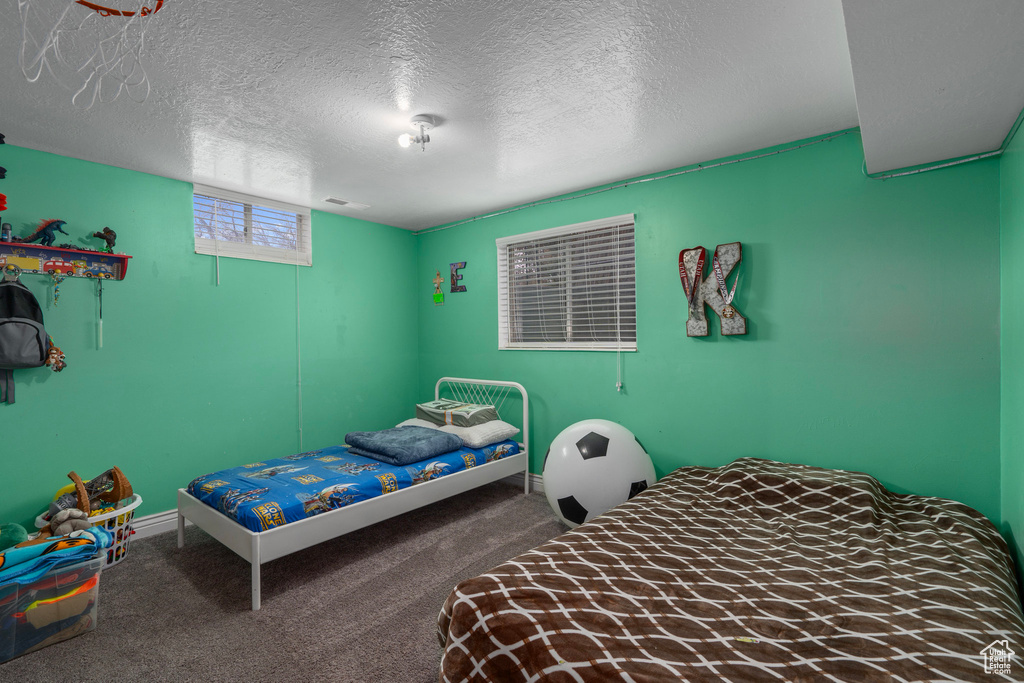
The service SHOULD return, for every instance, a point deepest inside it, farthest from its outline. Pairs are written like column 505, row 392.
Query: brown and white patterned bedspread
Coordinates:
column 756, row 571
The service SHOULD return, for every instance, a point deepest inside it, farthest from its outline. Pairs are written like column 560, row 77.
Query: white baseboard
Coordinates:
column 536, row 481
column 157, row 523
column 162, row 522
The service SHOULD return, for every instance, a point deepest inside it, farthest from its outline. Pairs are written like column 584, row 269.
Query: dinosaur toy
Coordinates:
column 44, row 233
column 108, row 236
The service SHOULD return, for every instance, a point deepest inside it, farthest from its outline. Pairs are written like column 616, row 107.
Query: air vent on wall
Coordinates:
column 346, row 203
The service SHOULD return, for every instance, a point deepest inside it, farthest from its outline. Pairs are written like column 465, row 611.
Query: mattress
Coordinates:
column 756, row 571
column 267, row 494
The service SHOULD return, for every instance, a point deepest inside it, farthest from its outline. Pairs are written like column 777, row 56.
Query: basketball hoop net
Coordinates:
column 93, row 50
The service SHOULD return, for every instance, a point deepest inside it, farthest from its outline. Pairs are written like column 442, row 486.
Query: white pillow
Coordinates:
column 416, row 422
column 483, row 434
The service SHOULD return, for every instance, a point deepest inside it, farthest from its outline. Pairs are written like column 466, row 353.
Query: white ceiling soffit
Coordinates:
column 935, row 79
column 300, row 100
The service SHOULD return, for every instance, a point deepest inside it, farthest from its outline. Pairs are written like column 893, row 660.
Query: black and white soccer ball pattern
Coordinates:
column 591, row 467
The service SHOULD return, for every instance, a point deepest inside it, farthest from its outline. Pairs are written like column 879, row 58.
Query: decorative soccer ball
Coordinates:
column 591, row 467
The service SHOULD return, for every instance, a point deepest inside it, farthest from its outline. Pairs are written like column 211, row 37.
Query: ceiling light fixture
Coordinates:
column 423, row 123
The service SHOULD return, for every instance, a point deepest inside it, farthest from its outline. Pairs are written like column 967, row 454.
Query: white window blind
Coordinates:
column 572, row 287
column 240, row 226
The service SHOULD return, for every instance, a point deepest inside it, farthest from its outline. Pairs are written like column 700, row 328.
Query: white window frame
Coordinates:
column 302, row 256
column 504, row 322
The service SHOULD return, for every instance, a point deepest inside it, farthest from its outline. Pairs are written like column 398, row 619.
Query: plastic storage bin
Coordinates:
column 60, row 605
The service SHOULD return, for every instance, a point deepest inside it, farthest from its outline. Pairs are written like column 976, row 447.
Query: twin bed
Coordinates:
column 327, row 493
column 754, row 571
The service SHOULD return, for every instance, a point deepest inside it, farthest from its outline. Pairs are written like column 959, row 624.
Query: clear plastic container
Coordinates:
column 60, row 605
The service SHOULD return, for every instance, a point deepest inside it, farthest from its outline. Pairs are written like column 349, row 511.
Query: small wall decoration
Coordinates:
column 109, row 237
column 712, row 291
column 45, row 232
column 456, row 277
column 438, row 294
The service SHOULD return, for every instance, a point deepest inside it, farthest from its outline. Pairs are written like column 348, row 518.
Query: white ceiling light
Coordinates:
column 423, row 123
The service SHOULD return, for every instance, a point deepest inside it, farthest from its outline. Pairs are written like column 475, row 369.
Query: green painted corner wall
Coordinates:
column 874, row 322
column 192, row 376
column 866, row 349
column 1011, row 291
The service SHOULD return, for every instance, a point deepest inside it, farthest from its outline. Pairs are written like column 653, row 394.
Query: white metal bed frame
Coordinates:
column 264, row 546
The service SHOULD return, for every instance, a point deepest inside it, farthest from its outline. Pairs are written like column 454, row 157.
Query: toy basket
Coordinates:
column 118, row 522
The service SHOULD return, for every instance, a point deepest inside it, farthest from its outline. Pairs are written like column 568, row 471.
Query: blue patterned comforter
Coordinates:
column 263, row 495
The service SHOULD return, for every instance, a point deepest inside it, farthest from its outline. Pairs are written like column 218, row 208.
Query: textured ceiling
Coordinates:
column 935, row 79
column 298, row 100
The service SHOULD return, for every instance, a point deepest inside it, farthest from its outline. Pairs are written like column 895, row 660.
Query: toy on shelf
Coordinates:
column 44, row 233
column 108, row 236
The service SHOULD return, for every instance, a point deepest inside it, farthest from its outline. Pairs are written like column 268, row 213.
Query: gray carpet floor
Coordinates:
column 362, row 607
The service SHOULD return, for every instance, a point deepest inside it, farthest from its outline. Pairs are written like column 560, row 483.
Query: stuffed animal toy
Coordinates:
column 67, row 521
column 11, row 535
column 55, row 358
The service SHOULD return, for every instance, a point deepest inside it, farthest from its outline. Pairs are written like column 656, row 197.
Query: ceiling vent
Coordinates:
column 346, row 203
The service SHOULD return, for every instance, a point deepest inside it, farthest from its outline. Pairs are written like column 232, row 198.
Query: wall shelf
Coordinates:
column 33, row 258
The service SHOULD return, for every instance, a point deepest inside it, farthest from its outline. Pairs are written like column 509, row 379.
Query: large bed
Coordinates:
column 755, row 571
column 233, row 506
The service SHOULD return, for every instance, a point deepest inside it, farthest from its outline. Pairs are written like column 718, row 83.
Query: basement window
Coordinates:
column 239, row 226
column 569, row 288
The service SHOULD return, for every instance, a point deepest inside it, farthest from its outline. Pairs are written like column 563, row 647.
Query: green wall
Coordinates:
column 873, row 317
column 1011, row 200
column 193, row 376
column 873, row 344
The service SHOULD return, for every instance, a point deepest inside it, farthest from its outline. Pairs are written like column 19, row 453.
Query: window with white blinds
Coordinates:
column 572, row 287
column 240, row 226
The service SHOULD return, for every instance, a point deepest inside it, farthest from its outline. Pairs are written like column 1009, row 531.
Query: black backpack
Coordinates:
column 23, row 341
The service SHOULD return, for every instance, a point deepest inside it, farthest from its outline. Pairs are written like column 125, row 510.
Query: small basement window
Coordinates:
column 569, row 288
column 240, row 226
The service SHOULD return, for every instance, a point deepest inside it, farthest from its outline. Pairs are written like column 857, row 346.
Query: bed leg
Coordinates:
column 526, row 481
column 255, row 586
column 181, row 530
column 255, row 573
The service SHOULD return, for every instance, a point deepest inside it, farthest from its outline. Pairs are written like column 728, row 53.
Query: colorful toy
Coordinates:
column 54, row 356
column 110, row 487
column 57, row 279
column 438, row 294
column 44, row 233
column 108, row 236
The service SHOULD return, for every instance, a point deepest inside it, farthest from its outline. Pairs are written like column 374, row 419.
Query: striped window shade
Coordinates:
column 239, row 226
column 571, row 288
